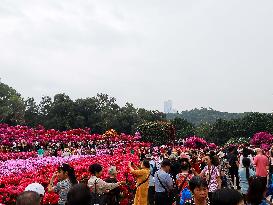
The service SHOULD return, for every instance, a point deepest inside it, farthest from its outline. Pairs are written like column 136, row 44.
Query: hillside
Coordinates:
column 198, row 116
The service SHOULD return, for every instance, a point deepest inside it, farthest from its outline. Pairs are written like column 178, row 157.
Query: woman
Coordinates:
column 142, row 178
column 112, row 197
column 182, row 181
column 97, row 185
column 227, row 196
column 270, row 166
column 211, row 173
column 244, row 175
column 256, row 192
column 199, row 190
column 66, row 178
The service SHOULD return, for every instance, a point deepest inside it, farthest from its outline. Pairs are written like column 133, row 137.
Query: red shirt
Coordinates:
column 261, row 162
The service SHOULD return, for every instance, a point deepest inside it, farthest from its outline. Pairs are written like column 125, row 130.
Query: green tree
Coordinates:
column 183, row 127
column 32, row 117
column 157, row 132
column 61, row 114
column 12, row 108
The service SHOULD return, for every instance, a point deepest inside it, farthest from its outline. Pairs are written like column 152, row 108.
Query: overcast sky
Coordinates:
column 198, row 53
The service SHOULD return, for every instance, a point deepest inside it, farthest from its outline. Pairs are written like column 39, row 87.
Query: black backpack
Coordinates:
column 154, row 169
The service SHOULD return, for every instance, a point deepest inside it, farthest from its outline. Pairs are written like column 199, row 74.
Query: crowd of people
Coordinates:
column 170, row 175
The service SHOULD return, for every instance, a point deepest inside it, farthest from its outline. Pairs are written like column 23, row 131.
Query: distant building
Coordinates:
column 168, row 106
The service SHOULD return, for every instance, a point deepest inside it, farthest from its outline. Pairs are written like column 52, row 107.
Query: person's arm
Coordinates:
column 51, row 185
column 218, row 178
column 255, row 161
column 169, row 182
column 108, row 186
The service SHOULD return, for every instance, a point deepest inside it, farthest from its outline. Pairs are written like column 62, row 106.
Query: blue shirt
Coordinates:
column 165, row 179
column 151, row 179
column 243, row 180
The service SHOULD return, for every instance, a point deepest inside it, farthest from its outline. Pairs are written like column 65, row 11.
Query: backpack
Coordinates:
column 154, row 169
column 185, row 195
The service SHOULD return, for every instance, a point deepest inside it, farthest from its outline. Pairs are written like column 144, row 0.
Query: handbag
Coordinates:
column 96, row 198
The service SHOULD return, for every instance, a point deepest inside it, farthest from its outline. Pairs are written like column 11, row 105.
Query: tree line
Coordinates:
column 101, row 113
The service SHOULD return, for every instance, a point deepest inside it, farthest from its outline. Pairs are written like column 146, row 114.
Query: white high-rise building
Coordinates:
column 168, row 106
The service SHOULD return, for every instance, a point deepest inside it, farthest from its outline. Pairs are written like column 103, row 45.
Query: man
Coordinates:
column 163, row 184
column 262, row 165
column 153, row 169
column 28, row 198
column 233, row 166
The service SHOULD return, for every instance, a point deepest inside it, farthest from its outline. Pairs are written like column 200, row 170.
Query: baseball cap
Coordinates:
column 36, row 187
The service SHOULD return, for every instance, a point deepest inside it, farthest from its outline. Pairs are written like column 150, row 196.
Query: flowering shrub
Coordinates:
column 15, row 183
column 262, row 139
column 237, row 141
column 17, row 155
column 18, row 134
column 195, row 142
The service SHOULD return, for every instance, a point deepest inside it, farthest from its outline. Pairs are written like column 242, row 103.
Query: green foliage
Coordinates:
column 204, row 115
column 157, row 132
column 183, row 128
column 12, row 106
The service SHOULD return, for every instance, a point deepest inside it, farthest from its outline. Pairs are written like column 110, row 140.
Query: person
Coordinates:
column 244, row 175
column 245, row 154
column 79, row 194
column 41, row 152
column 175, row 166
column 256, row 192
column 211, row 173
column 182, row 181
column 38, row 188
column 151, row 190
column 199, row 190
column 142, row 178
column 233, row 165
column 163, row 184
column 98, row 186
column 270, row 165
column 67, row 178
column 227, row 196
column 262, row 165
column 28, row 198
column 112, row 197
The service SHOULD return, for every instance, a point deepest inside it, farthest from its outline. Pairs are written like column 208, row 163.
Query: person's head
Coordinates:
column 245, row 152
column 211, row 159
column 79, row 194
column 166, row 165
column 259, row 151
column 112, row 171
column 256, row 191
column 185, row 165
column 28, row 198
column 246, row 162
column 95, row 169
column 36, row 187
column 227, row 196
column 66, row 171
column 145, row 164
column 199, row 188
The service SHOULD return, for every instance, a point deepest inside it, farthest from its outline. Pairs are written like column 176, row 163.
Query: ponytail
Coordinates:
column 246, row 164
column 70, row 172
column 247, row 173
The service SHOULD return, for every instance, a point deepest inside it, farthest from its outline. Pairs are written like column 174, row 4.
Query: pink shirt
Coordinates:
column 261, row 163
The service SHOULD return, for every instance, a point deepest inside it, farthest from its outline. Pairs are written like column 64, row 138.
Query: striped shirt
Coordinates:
column 62, row 189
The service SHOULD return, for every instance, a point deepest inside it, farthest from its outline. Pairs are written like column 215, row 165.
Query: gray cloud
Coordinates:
column 197, row 53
